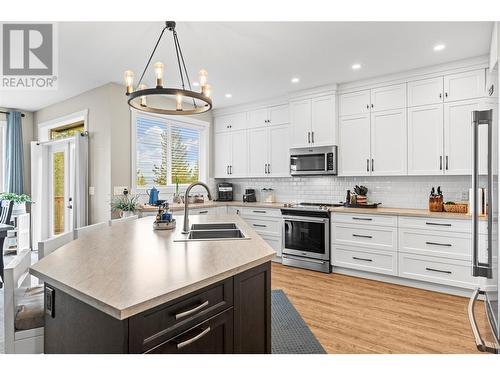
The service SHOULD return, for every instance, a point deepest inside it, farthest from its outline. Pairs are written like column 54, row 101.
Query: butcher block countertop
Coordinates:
column 129, row 268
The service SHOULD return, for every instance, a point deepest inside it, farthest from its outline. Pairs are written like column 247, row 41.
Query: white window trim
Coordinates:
column 44, row 128
column 185, row 121
column 3, row 144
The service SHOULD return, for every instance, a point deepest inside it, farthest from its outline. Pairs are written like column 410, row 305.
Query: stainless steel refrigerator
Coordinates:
column 485, row 260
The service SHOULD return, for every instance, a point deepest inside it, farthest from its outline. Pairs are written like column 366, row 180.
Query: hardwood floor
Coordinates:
column 353, row 315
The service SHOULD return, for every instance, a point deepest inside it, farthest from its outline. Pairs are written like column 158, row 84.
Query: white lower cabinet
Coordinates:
column 370, row 260
column 377, row 238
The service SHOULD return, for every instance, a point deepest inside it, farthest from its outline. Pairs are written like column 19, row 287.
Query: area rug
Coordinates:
column 290, row 334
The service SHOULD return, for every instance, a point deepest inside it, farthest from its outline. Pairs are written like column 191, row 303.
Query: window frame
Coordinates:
column 182, row 121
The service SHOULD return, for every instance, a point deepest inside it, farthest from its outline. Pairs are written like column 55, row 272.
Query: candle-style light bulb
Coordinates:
column 203, row 76
column 159, row 73
column 129, row 80
column 179, row 102
column 207, row 90
column 142, row 86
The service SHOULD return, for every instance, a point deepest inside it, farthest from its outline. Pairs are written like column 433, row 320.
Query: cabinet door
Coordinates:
column 258, row 152
column 279, row 151
column 239, row 154
column 425, row 140
column 425, row 91
column 355, row 103
column 300, row 116
column 221, row 124
column 458, row 136
column 323, row 121
column 467, row 85
column 258, row 117
column 388, row 97
column 388, row 143
column 221, row 154
column 279, row 115
column 354, row 149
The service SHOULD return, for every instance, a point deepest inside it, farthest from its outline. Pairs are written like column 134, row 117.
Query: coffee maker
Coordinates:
column 224, row 191
column 249, row 196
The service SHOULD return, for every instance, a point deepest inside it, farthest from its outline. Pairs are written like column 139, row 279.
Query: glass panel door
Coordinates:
column 60, row 206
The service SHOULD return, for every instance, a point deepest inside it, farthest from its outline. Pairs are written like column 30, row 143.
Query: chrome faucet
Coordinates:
column 185, row 228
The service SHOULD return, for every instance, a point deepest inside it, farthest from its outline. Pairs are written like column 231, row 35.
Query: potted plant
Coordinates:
column 19, row 200
column 126, row 204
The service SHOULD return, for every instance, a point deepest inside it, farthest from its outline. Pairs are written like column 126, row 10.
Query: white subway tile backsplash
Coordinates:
column 403, row 191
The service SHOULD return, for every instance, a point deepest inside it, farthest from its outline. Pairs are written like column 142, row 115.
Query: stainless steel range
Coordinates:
column 306, row 236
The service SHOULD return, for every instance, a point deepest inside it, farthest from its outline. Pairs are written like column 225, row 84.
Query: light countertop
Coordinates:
column 129, row 268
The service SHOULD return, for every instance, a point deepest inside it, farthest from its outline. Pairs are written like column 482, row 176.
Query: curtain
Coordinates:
column 80, row 204
column 14, row 154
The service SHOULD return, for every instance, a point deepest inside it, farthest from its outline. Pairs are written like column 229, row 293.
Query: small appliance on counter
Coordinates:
column 249, row 196
column 224, row 191
column 267, row 195
column 164, row 218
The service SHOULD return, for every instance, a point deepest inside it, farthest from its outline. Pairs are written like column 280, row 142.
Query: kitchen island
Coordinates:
column 130, row 289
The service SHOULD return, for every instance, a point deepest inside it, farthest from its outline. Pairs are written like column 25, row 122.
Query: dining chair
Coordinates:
column 5, row 218
column 50, row 245
column 82, row 231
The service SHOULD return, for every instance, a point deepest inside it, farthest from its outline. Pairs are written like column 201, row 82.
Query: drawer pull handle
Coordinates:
column 194, row 339
column 259, row 211
column 362, row 218
column 438, row 244
column 260, row 225
column 203, row 212
column 362, row 236
column 192, row 311
column 436, row 270
column 363, row 259
column 439, row 224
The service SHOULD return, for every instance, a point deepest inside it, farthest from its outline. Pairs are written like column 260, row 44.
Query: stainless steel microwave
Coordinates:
column 313, row 161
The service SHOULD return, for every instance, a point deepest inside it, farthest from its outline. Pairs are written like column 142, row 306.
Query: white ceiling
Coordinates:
column 250, row 60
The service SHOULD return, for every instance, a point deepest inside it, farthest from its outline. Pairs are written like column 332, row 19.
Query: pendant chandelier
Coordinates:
column 187, row 101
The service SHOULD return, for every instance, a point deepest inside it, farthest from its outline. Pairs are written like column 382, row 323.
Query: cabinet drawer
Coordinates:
column 274, row 242
column 444, row 245
column 256, row 211
column 265, row 226
column 213, row 336
column 445, row 225
column 365, row 219
column 153, row 327
column 437, row 270
column 365, row 260
column 381, row 238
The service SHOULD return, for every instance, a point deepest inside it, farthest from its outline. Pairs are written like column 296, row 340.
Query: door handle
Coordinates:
column 368, row 165
column 436, row 270
column 439, row 224
column 260, row 225
column 308, row 137
column 438, row 244
column 441, row 163
column 446, row 162
column 265, row 168
column 312, row 137
column 362, row 218
column 269, row 168
column 227, row 169
column 70, row 206
column 230, row 169
column 362, row 236
column 482, row 346
column 373, row 163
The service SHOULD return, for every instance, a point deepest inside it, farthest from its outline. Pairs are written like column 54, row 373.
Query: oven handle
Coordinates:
column 306, row 219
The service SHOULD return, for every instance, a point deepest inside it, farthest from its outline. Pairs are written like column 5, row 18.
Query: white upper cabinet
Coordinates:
column 300, row 118
column 222, row 154
column 425, row 91
column 258, row 117
column 466, row 85
column 279, row 115
column 355, row 103
column 239, row 154
column 323, row 121
column 388, row 97
column 236, row 121
column 258, row 145
column 388, row 143
column 313, row 121
column 425, row 140
column 354, row 147
column 279, row 151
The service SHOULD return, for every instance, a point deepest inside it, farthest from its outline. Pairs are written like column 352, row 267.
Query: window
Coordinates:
column 67, row 130
column 168, row 151
column 3, row 143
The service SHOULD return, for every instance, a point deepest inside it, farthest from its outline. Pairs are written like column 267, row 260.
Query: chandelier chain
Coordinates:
column 184, row 65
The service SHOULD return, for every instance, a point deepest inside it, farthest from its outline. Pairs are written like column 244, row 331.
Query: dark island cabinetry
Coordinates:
column 231, row 316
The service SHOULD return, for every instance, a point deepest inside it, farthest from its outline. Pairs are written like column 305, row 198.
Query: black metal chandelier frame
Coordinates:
column 134, row 97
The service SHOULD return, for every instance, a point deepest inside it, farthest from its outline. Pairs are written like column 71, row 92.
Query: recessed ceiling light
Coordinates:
column 356, row 66
column 439, row 47
column 229, row 95
column 295, row 80
column 195, row 84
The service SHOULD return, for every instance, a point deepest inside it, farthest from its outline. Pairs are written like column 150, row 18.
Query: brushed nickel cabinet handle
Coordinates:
column 308, row 137
column 362, row 236
column 441, row 163
column 203, row 212
column 438, row 244
column 363, row 259
column 194, row 339
column 191, row 312
column 436, row 270
column 373, row 165
column 446, row 162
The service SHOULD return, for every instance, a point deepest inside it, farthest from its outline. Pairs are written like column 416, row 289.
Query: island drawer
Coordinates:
column 149, row 329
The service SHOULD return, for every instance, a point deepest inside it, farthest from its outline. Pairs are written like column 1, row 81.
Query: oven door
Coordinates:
column 303, row 164
column 306, row 236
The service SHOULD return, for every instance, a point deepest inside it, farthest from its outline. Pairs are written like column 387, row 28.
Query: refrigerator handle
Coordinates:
column 482, row 346
column 480, row 269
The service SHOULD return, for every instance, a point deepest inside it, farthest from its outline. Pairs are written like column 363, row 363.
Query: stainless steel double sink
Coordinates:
column 213, row 232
